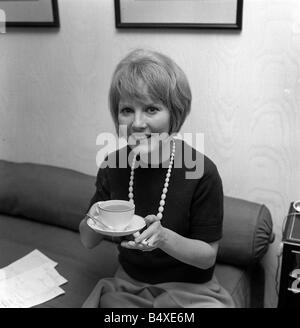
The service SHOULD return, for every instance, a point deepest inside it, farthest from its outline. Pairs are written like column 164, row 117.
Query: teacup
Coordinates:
column 115, row 214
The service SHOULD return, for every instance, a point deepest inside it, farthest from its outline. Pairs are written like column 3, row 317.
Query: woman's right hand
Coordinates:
column 88, row 236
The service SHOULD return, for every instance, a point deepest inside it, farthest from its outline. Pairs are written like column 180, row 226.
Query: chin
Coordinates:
column 142, row 149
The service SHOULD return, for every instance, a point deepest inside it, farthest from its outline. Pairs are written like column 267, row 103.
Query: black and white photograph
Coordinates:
column 150, row 157
column 179, row 13
column 30, row 13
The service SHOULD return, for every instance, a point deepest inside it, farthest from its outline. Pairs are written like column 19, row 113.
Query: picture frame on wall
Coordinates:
column 194, row 14
column 30, row 13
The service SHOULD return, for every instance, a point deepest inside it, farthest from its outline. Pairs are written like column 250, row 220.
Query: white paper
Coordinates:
column 18, row 301
column 29, row 281
column 26, row 263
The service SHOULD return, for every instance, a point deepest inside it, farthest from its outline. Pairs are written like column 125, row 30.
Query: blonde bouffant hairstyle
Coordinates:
column 165, row 81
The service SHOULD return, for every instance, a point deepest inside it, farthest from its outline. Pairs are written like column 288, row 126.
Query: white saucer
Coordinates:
column 137, row 223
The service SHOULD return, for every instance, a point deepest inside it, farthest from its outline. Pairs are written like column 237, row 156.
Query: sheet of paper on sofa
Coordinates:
column 29, row 281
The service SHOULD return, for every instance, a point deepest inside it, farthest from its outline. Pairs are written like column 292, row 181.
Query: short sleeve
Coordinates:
column 206, row 215
column 102, row 187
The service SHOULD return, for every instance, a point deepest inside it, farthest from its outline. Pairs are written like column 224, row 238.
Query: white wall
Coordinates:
column 246, row 96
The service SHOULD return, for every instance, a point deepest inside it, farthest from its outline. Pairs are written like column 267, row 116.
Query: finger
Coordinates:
column 94, row 210
column 152, row 241
column 146, row 234
column 136, row 234
column 148, row 248
column 144, row 242
column 132, row 245
column 128, row 244
column 141, row 246
column 150, row 219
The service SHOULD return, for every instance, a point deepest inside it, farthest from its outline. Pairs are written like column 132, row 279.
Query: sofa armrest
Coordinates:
column 247, row 232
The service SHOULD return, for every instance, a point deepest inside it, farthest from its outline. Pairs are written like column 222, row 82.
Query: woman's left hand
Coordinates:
column 149, row 239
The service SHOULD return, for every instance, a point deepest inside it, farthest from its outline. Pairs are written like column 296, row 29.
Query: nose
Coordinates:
column 139, row 123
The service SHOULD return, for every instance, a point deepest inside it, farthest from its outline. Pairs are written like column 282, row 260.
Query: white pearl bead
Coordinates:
column 166, row 184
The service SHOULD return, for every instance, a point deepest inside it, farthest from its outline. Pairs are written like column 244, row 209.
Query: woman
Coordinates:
column 171, row 262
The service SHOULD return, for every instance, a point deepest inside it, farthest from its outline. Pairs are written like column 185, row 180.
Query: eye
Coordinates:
column 152, row 110
column 126, row 111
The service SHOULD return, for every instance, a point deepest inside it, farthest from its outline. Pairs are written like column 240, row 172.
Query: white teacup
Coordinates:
column 115, row 214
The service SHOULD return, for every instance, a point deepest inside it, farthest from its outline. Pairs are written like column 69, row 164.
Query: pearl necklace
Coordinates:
column 165, row 188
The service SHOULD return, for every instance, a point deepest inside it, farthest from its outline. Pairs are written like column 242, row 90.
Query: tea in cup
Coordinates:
column 115, row 214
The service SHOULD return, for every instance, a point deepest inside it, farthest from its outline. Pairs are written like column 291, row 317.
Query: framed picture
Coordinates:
column 30, row 13
column 196, row 14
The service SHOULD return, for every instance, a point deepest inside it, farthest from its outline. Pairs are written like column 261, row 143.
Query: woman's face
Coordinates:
column 145, row 121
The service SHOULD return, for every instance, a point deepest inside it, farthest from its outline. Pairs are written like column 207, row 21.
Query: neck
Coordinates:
column 157, row 156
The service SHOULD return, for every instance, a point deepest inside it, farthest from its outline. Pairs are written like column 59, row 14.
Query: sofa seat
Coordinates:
column 81, row 267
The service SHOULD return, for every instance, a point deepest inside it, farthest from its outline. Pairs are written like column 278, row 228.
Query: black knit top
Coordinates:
column 193, row 209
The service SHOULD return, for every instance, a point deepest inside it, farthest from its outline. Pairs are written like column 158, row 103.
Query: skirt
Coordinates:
column 122, row 291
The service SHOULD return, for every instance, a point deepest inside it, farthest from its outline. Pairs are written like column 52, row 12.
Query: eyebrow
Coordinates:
column 121, row 104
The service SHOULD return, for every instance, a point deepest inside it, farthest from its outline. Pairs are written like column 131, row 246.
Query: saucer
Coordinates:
column 137, row 223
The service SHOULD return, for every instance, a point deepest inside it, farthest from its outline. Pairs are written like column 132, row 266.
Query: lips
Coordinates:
column 139, row 137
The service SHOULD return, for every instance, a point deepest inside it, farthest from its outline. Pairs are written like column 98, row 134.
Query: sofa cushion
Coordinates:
column 45, row 193
column 80, row 266
column 247, row 232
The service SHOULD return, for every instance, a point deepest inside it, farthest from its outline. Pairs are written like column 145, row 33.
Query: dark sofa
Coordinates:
column 41, row 207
